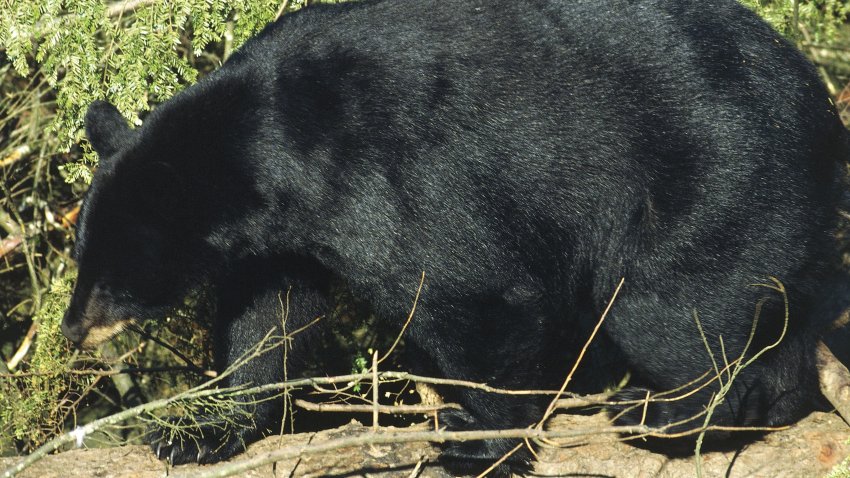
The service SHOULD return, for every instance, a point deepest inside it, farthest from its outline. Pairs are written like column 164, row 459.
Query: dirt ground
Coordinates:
column 811, row 448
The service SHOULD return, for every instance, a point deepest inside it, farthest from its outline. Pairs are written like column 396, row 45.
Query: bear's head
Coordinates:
column 130, row 249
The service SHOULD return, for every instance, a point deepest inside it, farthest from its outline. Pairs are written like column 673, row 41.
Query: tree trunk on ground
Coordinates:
column 811, row 448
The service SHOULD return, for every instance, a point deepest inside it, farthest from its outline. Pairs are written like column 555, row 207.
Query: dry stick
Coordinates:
column 102, row 373
column 716, row 398
column 818, row 60
column 834, row 381
column 9, row 244
column 833, row 376
column 644, row 408
column 286, row 344
column 395, row 376
column 440, row 436
column 16, row 155
column 340, row 394
column 238, row 467
column 9, row 225
column 662, row 431
column 228, row 39
column 416, row 469
column 385, row 409
column 282, row 9
column 15, row 217
column 595, row 399
column 24, row 347
column 127, row 5
column 375, row 390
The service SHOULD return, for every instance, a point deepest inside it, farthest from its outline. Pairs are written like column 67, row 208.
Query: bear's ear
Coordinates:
column 106, row 129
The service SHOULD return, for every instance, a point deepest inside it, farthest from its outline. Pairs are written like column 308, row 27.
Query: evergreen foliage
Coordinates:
column 134, row 58
column 56, row 57
column 29, row 412
column 818, row 19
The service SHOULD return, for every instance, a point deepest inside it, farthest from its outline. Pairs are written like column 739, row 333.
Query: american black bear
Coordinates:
column 525, row 154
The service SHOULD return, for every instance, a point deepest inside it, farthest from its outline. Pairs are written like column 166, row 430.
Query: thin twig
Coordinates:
column 407, row 322
column 145, row 335
column 554, row 402
column 502, row 459
column 282, row 9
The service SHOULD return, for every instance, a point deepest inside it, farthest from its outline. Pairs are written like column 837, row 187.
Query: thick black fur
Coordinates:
column 525, row 154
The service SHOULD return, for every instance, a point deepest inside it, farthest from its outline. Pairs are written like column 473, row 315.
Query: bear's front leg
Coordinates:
column 254, row 304
column 484, row 411
column 501, row 349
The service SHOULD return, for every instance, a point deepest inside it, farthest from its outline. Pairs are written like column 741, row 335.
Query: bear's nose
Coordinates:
column 73, row 332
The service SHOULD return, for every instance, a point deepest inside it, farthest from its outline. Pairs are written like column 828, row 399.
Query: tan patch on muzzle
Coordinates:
column 99, row 334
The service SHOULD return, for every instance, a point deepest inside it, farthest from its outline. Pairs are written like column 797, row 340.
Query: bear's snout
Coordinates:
column 92, row 321
column 74, row 326
column 72, row 330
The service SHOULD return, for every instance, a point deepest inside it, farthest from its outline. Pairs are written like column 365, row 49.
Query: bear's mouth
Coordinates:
column 98, row 334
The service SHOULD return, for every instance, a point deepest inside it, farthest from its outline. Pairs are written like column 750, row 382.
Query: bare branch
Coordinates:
column 386, row 409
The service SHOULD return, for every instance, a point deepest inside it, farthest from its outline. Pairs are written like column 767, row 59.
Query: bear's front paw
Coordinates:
column 194, row 441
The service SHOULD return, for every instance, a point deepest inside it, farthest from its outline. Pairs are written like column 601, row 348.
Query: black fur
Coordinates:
column 525, row 154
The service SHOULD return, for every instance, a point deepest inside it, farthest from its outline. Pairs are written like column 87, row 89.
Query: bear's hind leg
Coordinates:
column 776, row 389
